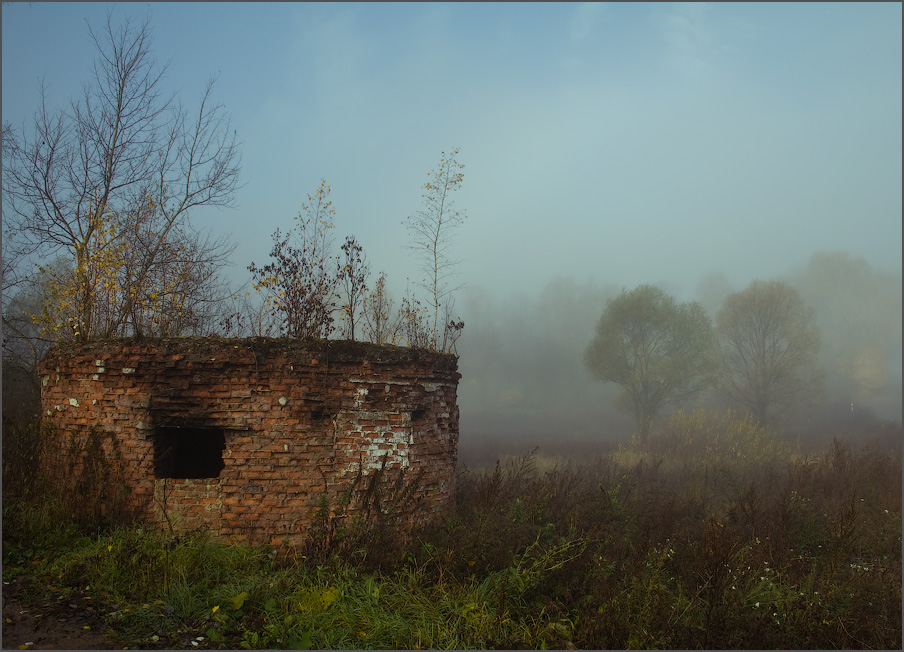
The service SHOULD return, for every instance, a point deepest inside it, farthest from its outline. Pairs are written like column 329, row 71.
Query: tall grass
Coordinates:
column 716, row 534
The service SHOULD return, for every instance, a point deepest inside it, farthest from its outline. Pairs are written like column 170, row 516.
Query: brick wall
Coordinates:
column 249, row 438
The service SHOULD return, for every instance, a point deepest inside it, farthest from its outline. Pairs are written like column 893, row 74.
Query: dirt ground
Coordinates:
column 46, row 623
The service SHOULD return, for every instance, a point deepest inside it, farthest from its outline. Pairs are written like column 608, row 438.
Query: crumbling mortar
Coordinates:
column 389, row 421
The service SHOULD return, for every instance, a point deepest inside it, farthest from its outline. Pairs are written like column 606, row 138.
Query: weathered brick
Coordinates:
column 280, row 456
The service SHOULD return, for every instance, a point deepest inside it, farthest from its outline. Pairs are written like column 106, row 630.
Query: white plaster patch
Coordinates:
column 128, row 370
column 283, row 400
column 73, row 402
column 378, row 441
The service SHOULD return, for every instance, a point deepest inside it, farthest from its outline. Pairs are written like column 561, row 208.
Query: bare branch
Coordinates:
column 111, row 182
column 432, row 230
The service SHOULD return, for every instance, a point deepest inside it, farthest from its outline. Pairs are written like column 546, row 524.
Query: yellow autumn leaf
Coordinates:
column 239, row 600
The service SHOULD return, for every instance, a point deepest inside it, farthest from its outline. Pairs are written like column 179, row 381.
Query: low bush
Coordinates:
column 703, row 439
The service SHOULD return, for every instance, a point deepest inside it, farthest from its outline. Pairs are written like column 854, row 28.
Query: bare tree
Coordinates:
column 768, row 348
column 15, row 248
column 381, row 324
column 23, row 346
column 247, row 315
column 453, row 328
column 353, row 276
column 23, row 349
column 414, row 323
column 302, row 280
column 122, row 160
column 183, row 291
column 432, row 230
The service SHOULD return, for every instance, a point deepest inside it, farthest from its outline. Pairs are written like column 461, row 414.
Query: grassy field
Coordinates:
column 715, row 534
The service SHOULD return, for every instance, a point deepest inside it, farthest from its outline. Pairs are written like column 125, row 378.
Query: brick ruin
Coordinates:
column 252, row 439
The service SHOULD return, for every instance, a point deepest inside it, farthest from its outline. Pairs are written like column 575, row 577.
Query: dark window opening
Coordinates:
column 183, row 453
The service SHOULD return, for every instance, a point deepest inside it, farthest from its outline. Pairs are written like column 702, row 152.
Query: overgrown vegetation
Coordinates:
column 714, row 534
column 98, row 240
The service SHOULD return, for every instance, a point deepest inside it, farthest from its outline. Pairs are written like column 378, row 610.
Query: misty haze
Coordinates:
column 662, row 242
column 523, row 376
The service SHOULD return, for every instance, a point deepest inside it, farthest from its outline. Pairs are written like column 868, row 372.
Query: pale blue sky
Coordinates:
column 626, row 143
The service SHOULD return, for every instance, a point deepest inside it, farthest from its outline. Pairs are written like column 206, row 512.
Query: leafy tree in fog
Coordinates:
column 768, row 348
column 656, row 349
column 858, row 311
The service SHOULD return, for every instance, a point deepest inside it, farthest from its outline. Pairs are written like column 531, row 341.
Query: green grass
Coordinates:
column 696, row 539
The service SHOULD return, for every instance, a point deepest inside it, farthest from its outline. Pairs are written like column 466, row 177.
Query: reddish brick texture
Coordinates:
column 254, row 439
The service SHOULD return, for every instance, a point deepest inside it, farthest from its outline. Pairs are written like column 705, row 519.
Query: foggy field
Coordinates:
column 482, row 445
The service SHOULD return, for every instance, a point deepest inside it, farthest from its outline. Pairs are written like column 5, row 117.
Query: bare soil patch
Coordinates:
column 36, row 621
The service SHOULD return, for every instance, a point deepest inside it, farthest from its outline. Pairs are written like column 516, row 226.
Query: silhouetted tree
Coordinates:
column 353, row 276
column 110, row 182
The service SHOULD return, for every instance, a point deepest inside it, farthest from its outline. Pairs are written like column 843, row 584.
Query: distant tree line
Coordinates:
column 761, row 354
